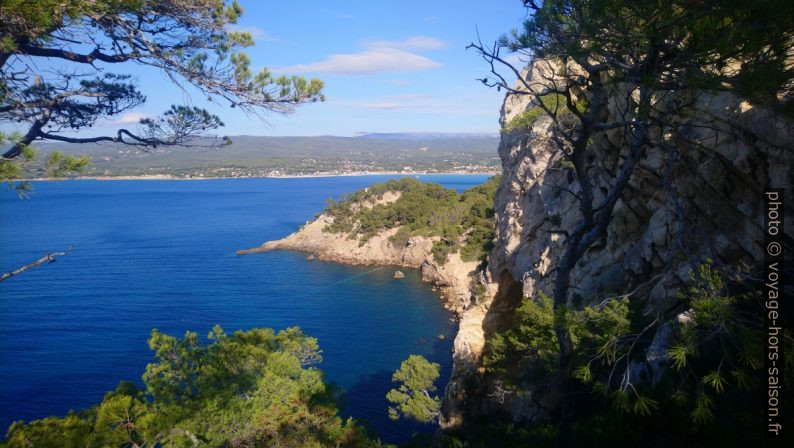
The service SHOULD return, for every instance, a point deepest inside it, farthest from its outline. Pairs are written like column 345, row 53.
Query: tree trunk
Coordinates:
column 34, row 131
column 567, row 387
column 562, row 332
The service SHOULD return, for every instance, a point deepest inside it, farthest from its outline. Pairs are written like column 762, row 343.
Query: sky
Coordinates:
column 387, row 67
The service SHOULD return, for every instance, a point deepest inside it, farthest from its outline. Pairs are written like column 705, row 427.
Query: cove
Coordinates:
column 160, row 254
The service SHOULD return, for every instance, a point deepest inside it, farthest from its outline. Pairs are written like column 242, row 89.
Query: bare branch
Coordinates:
column 49, row 258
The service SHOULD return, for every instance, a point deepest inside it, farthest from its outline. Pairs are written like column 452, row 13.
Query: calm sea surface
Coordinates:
column 160, row 254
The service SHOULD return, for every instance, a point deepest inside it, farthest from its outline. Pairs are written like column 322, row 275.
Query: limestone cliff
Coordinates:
column 707, row 202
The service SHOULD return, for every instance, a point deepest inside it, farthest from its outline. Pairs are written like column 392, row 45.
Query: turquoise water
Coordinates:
column 160, row 254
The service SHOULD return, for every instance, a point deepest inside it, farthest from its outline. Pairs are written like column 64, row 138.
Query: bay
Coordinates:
column 161, row 254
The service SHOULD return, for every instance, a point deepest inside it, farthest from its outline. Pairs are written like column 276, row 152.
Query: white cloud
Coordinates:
column 258, row 34
column 129, row 118
column 382, row 106
column 377, row 57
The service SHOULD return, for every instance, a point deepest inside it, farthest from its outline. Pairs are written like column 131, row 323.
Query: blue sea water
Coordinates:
column 161, row 254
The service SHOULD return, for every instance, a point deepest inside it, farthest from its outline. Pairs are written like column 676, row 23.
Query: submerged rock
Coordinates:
column 399, row 274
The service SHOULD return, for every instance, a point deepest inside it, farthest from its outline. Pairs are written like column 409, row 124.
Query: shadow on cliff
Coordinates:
column 681, row 207
column 500, row 316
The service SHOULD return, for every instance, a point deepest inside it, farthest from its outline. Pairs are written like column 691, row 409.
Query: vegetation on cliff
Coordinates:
column 250, row 388
column 712, row 383
column 553, row 102
column 638, row 69
column 462, row 222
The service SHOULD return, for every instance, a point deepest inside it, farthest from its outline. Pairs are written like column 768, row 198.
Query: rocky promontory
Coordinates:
column 453, row 277
column 444, row 234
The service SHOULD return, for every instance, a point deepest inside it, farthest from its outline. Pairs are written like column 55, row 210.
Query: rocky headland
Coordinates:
column 453, row 277
column 457, row 276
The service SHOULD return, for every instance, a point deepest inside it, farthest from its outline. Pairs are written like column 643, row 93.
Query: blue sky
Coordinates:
column 387, row 66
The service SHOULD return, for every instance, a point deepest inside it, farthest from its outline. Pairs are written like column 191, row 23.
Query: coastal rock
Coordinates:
column 310, row 257
column 399, row 274
column 453, row 278
column 718, row 188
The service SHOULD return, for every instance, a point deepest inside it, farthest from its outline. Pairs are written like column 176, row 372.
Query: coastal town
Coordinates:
column 250, row 156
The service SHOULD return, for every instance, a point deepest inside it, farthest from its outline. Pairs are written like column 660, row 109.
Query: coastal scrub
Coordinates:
column 461, row 222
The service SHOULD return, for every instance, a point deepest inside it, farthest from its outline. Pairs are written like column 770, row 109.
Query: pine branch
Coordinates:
column 49, row 258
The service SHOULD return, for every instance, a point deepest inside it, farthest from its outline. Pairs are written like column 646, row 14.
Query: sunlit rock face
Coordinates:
column 704, row 199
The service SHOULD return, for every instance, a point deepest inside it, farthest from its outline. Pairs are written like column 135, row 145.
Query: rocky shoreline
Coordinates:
column 453, row 279
column 456, row 281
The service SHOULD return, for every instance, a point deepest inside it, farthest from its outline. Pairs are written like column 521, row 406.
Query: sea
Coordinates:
column 144, row 254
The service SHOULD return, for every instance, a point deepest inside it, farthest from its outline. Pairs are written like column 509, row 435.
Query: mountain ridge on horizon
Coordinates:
column 294, row 155
column 425, row 135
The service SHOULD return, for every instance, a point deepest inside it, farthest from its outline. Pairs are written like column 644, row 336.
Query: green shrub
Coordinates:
column 441, row 250
column 554, row 102
column 712, row 383
column 249, row 388
column 414, row 397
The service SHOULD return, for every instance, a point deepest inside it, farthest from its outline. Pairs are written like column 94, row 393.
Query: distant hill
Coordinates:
column 427, row 135
column 259, row 155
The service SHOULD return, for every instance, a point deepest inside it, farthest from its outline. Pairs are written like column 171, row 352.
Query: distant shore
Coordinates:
column 286, row 176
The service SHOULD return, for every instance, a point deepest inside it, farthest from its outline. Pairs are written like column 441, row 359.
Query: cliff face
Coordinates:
column 703, row 200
